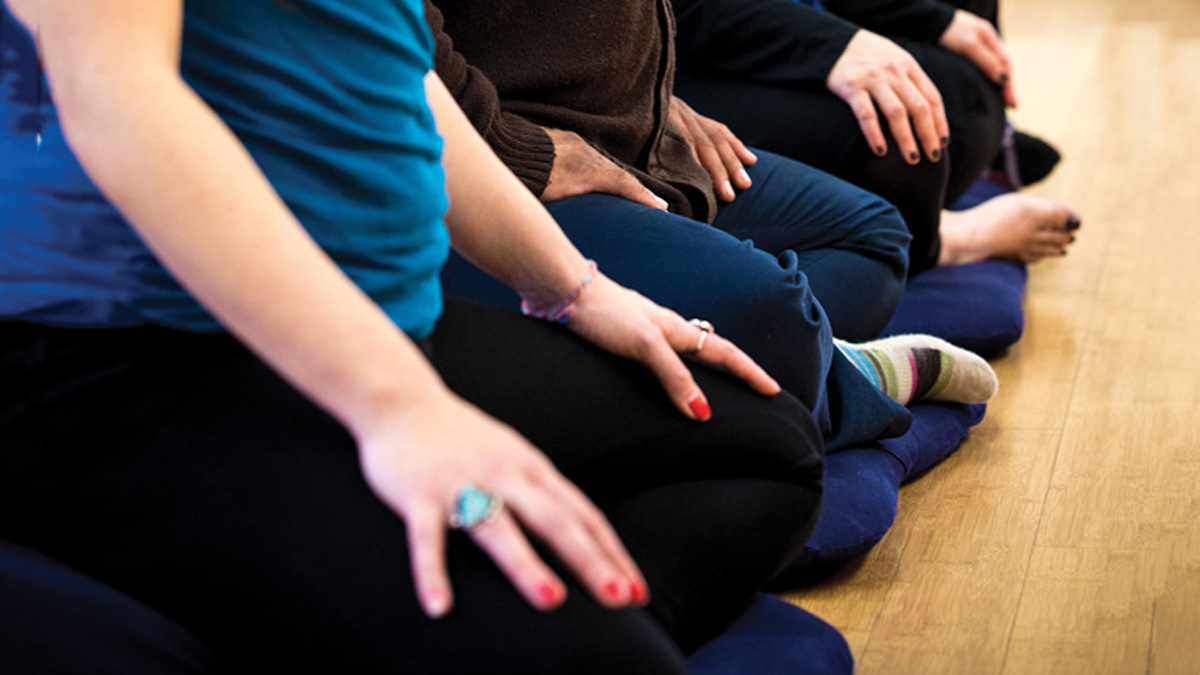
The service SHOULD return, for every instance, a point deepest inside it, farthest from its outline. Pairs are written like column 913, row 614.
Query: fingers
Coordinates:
column 896, row 113
column 559, row 514
column 427, row 553
column 663, row 360
column 936, row 136
column 662, row 357
column 556, row 512
column 863, row 107
column 621, row 183
column 718, row 150
column 580, row 169
column 718, row 351
column 720, row 161
column 507, row 546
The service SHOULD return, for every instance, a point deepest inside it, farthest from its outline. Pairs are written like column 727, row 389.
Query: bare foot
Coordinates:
column 1012, row 226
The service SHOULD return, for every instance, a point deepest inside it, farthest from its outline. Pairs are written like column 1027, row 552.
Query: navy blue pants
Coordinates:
column 796, row 255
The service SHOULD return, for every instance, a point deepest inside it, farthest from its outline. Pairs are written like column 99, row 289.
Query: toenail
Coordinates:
column 1073, row 223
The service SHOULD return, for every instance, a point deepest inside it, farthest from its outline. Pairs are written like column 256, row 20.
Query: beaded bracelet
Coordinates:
column 563, row 311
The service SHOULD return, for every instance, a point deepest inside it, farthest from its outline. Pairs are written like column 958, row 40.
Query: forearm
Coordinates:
column 194, row 194
column 776, row 41
column 494, row 222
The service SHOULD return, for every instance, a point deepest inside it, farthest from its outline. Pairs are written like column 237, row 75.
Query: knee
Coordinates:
column 776, row 438
column 882, row 236
column 588, row 639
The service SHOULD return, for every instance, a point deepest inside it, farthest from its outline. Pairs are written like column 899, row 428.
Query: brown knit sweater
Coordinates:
column 602, row 69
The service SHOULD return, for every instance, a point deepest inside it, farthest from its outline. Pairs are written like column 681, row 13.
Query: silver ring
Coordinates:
column 474, row 507
column 705, row 328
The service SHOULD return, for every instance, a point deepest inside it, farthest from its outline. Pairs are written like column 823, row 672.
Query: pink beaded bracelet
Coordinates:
column 563, row 311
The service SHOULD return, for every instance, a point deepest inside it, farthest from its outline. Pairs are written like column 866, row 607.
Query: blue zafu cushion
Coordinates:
column 977, row 306
column 775, row 637
column 862, row 487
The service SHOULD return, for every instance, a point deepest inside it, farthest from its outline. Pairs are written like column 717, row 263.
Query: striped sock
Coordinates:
column 914, row 367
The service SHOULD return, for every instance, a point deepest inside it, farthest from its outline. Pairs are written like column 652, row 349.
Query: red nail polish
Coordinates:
column 700, row 408
column 612, row 590
column 548, row 594
column 638, row 592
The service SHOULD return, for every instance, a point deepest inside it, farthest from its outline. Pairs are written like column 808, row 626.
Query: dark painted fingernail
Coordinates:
column 1003, row 78
column 1073, row 223
column 914, row 157
column 880, row 150
column 945, row 141
column 700, row 408
column 937, row 154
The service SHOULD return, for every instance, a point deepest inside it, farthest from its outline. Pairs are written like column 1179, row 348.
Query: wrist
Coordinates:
column 558, row 307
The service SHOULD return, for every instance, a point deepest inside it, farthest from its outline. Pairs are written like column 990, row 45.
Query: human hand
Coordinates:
column 626, row 323
column 715, row 147
column 874, row 72
column 580, row 169
column 976, row 40
column 418, row 461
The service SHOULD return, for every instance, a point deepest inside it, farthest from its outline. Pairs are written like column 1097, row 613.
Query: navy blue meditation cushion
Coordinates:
column 862, row 488
column 773, row 637
column 55, row 620
column 977, row 306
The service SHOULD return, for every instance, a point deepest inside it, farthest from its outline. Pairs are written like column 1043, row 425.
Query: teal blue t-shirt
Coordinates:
column 326, row 95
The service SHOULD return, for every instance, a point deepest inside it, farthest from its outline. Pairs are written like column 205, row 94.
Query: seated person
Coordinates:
column 815, row 87
column 231, row 388
column 587, row 117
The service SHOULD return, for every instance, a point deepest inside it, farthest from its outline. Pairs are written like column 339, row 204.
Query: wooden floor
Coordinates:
column 1064, row 536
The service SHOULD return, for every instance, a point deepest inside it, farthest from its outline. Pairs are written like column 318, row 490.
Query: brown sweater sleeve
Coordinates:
column 522, row 145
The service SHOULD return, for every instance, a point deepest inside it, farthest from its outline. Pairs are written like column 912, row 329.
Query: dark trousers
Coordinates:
column 178, row 469
column 798, row 256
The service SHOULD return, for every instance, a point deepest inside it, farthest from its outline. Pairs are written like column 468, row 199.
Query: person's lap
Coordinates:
column 194, row 479
column 761, row 300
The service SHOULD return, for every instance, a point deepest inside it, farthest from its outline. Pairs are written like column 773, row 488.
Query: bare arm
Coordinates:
column 505, row 231
column 202, row 205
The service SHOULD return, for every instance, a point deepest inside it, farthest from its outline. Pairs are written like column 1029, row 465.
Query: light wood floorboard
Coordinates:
column 1064, row 536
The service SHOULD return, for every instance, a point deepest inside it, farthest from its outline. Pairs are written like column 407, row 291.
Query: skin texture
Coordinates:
column 718, row 150
column 580, row 169
column 977, row 41
column 875, row 74
column 212, row 218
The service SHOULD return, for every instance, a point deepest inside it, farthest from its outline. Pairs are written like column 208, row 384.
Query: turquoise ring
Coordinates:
column 474, row 507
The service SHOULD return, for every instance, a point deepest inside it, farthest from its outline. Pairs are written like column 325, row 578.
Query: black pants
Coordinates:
column 812, row 125
column 179, row 469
